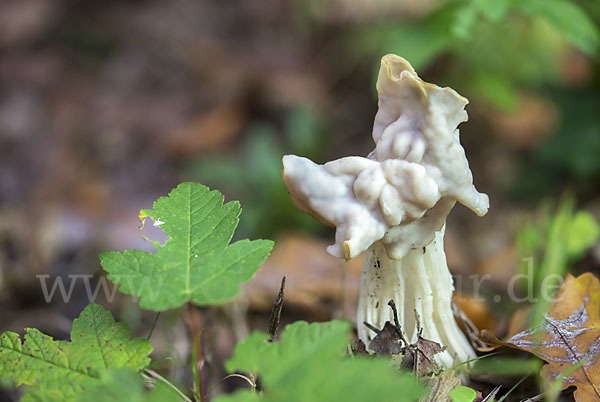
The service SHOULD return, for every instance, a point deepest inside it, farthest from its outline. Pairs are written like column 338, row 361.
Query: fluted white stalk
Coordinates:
column 419, row 282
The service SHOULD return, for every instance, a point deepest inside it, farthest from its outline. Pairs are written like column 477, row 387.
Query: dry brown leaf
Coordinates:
column 570, row 334
column 519, row 321
column 531, row 122
column 210, row 131
column 420, row 356
column 315, row 281
column 388, row 341
column 471, row 330
column 476, row 310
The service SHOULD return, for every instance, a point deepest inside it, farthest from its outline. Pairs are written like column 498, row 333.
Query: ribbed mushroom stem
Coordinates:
column 419, row 281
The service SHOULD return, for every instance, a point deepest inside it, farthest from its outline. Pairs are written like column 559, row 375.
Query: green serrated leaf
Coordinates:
column 570, row 20
column 56, row 370
column 463, row 394
column 125, row 385
column 197, row 263
column 308, row 364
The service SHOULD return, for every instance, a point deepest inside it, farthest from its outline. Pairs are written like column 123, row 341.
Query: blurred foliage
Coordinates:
column 490, row 48
column 506, row 366
column 254, row 177
column 570, row 155
column 492, row 51
column 554, row 240
column 84, row 39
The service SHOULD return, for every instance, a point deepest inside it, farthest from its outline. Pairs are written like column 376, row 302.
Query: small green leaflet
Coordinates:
column 56, row 370
column 308, row 364
column 463, row 394
column 197, row 263
column 124, row 385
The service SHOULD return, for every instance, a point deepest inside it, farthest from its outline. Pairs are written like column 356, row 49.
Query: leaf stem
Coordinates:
column 512, row 389
column 247, row 379
column 473, row 360
column 159, row 377
column 198, row 367
column 153, row 326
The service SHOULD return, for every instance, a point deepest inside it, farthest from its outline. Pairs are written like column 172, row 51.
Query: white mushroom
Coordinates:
column 394, row 204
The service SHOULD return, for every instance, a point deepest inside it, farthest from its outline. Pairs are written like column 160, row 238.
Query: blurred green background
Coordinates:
column 105, row 105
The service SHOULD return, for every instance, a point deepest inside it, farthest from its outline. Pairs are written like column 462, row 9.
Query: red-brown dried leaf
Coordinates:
column 570, row 334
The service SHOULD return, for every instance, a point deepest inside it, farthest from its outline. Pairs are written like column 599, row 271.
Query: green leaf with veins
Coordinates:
column 56, row 370
column 197, row 263
column 308, row 364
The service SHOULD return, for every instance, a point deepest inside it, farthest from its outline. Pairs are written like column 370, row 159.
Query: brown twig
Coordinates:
column 397, row 322
column 371, row 327
column 276, row 311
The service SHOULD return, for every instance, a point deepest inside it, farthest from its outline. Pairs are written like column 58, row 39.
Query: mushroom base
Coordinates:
column 420, row 282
